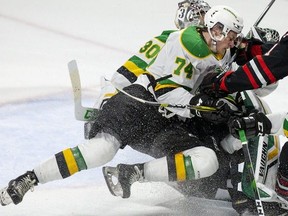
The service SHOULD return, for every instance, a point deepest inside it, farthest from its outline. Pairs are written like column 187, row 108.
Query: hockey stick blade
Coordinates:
column 81, row 113
column 248, row 160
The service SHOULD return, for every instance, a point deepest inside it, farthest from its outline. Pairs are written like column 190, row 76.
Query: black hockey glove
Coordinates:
column 248, row 50
column 223, row 112
column 211, row 84
column 254, row 125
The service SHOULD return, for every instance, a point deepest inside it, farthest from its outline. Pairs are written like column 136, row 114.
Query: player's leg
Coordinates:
column 196, row 163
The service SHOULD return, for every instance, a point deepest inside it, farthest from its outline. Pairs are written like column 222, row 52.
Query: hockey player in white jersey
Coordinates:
column 138, row 169
column 124, row 121
column 72, row 160
column 265, row 151
column 189, row 13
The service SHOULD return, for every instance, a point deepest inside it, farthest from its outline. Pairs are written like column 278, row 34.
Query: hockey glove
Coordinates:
column 248, row 49
column 223, row 112
column 256, row 124
column 211, row 85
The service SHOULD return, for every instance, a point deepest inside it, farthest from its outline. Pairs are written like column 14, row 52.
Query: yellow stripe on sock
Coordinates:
column 70, row 161
column 180, row 167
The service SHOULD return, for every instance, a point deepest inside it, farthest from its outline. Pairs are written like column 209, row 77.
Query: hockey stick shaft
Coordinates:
column 248, row 161
column 264, row 13
column 89, row 113
column 154, row 103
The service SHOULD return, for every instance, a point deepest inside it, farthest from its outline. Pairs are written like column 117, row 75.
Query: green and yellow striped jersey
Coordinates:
column 136, row 65
column 185, row 59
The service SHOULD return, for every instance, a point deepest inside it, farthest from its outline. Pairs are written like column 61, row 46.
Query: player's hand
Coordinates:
column 256, row 124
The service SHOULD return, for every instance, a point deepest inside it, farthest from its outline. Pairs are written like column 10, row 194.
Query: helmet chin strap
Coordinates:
column 213, row 45
column 214, row 41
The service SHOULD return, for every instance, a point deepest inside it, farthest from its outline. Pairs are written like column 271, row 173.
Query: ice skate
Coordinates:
column 17, row 188
column 126, row 175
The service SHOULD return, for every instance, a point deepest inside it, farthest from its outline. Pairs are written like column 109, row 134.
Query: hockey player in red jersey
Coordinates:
column 263, row 69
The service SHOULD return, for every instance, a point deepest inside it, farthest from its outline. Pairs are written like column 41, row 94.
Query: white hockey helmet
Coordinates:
column 226, row 18
column 190, row 12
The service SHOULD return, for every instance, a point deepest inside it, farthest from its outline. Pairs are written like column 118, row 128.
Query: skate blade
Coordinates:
column 5, row 199
column 109, row 173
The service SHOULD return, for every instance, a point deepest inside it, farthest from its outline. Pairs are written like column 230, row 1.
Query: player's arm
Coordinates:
column 249, row 48
column 261, row 71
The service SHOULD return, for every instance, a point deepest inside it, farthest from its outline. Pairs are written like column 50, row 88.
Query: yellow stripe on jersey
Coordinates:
column 132, row 67
column 180, row 167
column 162, row 86
column 109, row 95
column 70, row 161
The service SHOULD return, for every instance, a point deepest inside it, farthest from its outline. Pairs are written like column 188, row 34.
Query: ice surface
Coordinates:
column 37, row 40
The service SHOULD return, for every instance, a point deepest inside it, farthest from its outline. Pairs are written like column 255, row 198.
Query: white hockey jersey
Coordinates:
column 185, row 59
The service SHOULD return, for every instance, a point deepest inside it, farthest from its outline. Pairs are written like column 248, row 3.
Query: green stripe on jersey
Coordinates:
column 164, row 35
column 138, row 62
column 169, row 82
column 193, row 42
column 285, row 127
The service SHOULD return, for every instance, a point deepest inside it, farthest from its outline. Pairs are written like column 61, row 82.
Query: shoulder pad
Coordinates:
column 193, row 42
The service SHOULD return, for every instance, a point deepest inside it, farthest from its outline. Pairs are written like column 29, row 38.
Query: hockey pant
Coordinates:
column 122, row 121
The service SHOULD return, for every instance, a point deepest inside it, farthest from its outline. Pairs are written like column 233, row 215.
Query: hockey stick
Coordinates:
column 154, row 103
column 259, row 19
column 248, row 161
column 81, row 113
column 264, row 13
column 89, row 113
